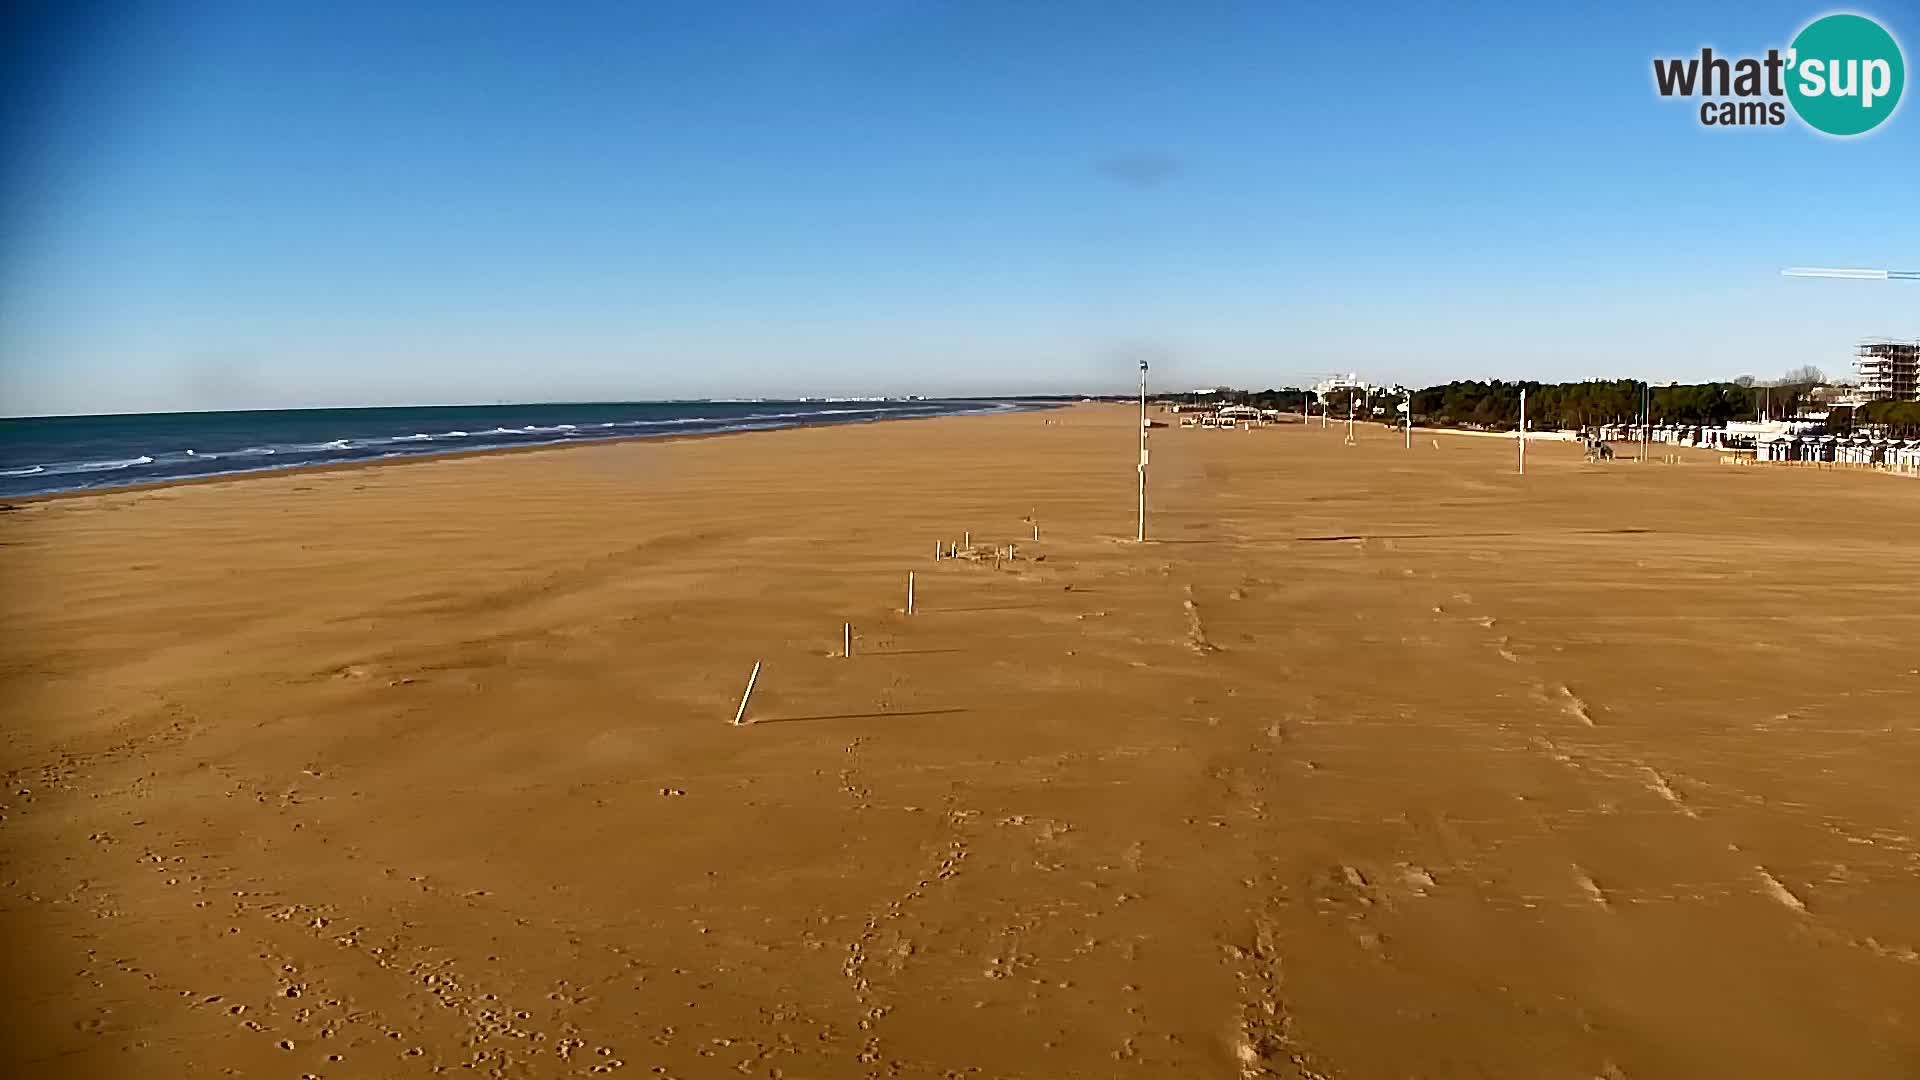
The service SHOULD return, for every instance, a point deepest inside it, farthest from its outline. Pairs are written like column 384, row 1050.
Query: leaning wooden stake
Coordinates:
column 909, row 592
column 740, row 714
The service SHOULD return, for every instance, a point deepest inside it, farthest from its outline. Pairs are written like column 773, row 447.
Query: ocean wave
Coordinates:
column 68, row 468
column 28, row 471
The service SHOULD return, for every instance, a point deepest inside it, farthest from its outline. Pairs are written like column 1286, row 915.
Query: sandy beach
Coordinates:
column 1376, row 762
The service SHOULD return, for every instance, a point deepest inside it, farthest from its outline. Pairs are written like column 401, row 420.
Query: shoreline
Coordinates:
column 309, row 468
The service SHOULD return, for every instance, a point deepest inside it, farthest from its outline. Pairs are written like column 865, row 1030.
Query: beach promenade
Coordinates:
column 1374, row 762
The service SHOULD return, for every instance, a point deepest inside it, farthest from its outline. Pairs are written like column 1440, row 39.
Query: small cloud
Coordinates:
column 1141, row 170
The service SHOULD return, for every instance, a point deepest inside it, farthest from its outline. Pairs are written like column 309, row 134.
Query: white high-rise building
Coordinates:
column 1889, row 370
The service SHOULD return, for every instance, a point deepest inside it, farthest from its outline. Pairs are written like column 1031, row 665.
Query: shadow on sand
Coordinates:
column 883, row 653
column 968, row 610
column 857, row 716
column 1466, row 535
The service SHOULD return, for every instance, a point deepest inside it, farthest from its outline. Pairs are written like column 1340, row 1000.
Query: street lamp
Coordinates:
column 1140, row 534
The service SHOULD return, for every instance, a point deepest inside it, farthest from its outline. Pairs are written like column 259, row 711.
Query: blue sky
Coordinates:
column 214, row 205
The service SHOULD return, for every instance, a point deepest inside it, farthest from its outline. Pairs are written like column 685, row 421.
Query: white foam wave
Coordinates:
column 68, row 468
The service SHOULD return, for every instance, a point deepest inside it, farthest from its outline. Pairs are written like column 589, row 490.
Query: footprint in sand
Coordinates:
column 1574, row 706
column 1196, row 630
column 1417, row 878
column 1779, row 891
column 1590, row 887
column 1570, row 703
column 1657, row 784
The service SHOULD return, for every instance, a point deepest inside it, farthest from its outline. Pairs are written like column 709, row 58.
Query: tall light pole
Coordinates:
column 1646, row 421
column 1523, row 431
column 1140, row 534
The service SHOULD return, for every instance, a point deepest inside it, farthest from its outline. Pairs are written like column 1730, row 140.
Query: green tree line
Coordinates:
column 1495, row 405
column 1900, row 419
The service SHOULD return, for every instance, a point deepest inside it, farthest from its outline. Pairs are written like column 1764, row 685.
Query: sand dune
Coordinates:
column 1376, row 763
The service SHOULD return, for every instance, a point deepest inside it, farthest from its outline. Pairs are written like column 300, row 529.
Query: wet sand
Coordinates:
column 1376, row 763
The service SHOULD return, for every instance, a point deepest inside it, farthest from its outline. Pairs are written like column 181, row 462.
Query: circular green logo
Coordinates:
column 1845, row 74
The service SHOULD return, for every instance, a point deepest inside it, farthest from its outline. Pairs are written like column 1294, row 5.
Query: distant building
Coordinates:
column 1889, row 370
column 1335, row 383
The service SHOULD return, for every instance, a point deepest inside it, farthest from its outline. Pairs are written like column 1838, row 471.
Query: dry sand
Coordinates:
column 1378, row 763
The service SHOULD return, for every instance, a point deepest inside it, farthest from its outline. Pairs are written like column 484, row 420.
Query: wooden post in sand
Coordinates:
column 909, row 592
column 966, row 540
column 936, row 551
column 740, row 715
column 846, row 650
column 1036, row 530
